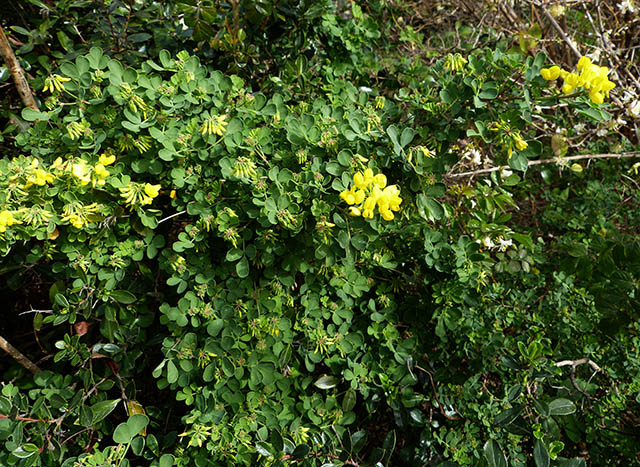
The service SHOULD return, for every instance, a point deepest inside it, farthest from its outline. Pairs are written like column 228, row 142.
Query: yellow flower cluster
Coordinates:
column 369, row 191
column 78, row 214
column 7, row 220
column 96, row 174
column 591, row 77
column 38, row 176
column 214, row 125
column 137, row 193
column 55, row 83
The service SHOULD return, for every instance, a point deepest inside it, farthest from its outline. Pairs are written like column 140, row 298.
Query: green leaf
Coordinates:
column 300, row 451
column 359, row 241
column 123, row 296
column 31, row 115
column 508, row 416
column 392, row 131
column 597, row 115
column 406, row 137
column 140, row 37
column 24, row 451
column 264, row 449
column 61, row 300
column 137, row 445
column 166, row 460
column 126, row 431
column 100, row 410
column 122, row 434
column 575, row 462
column 561, row 407
column 234, row 254
column 172, row 372
column 137, row 423
column 540, row 454
column 494, row 455
column 489, row 90
column 349, row 400
column 40, row 4
column 215, row 326
column 326, row 382
column 5, row 405
column 344, row 158
column 65, row 42
column 518, row 161
column 242, row 267
column 542, row 408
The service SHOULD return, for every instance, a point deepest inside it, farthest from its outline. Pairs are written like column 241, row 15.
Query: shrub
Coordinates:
column 240, row 279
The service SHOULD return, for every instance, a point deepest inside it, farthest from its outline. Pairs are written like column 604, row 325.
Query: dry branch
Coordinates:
column 17, row 355
column 16, row 72
column 622, row 155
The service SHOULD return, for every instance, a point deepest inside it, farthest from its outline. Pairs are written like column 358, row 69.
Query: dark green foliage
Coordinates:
column 176, row 218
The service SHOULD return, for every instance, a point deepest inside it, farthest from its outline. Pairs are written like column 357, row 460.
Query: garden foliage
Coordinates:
column 250, row 245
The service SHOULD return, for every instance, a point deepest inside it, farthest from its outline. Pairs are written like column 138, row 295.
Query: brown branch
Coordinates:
column 435, row 394
column 557, row 27
column 581, row 361
column 622, row 155
column 16, row 72
column 17, row 355
column 28, row 419
column 572, row 376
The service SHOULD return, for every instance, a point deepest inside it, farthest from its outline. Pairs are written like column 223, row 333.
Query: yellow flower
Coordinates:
column 551, row 74
column 54, row 82
column 151, row 190
column 521, row 144
column 172, row 195
column 7, row 220
column 583, row 63
column 380, row 180
column 81, row 172
column 368, row 191
column 57, row 164
column 591, row 77
column 40, row 178
column 101, row 171
column 105, row 159
column 348, row 197
column 359, row 196
column 214, row 125
column 596, row 97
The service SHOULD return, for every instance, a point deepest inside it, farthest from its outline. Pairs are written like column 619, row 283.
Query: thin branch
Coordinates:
column 29, row 419
column 17, row 355
column 580, row 361
column 557, row 27
column 171, row 216
column 435, row 394
column 573, row 364
column 622, row 155
column 16, row 72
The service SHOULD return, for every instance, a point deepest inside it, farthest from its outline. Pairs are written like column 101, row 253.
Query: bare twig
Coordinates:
column 29, row 419
column 171, row 216
column 16, row 72
column 435, row 394
column 18, row 356
column 557, row 27
column 622, row 155
column 580, row 361
column 573, row 364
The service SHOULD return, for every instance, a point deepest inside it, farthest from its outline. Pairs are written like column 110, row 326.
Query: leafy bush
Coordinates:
column 238, row 278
